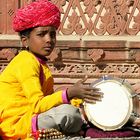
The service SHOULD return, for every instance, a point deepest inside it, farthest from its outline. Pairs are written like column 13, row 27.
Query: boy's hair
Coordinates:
column 25, row 33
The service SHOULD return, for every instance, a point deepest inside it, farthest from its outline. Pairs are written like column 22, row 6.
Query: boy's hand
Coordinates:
column 87, row 93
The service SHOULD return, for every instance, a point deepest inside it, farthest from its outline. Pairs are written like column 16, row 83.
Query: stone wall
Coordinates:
column 72, row 59
column 96, row 38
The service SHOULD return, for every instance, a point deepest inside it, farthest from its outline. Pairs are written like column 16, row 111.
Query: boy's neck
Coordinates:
column 41, row 59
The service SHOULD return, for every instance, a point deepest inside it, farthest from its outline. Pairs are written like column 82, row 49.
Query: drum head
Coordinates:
column 115, row 108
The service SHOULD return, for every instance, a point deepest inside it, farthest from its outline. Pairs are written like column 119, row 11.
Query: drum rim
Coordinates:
column 130, row 109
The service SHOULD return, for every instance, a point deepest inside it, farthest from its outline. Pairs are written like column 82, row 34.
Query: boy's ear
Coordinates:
column 24, row 41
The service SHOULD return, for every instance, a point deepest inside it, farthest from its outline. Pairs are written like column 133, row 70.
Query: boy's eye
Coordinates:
column 41, row 34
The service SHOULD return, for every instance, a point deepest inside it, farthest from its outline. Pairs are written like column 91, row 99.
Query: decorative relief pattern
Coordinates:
column 77, row 63
column 93, row 70
column 99, row 17
column 89, row 17
column 95, row 54
column 2, row 66
column 7, row 54
column 10, row 12
column 23, row 2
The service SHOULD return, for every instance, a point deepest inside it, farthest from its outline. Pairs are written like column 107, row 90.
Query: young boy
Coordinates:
column 28, row 101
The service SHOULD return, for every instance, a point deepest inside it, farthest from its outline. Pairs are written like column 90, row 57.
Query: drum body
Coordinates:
column 116, row 107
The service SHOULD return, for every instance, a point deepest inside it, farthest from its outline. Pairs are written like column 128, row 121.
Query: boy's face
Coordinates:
column 42, row 40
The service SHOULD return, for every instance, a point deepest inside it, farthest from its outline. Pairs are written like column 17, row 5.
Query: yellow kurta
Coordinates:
column 22, row 96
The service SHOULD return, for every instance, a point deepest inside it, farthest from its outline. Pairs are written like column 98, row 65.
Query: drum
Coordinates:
column 116, row 107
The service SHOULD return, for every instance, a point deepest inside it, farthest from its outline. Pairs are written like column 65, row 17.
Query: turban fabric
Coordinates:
column 38, row 13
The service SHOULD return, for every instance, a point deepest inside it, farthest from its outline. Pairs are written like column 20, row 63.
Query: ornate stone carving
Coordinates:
column 10, row 12
column 2, row 66
column 7, row 54
column 93, row 70
column 55, row 55
column 88, row 17
column 95, row 54
column 99, row 17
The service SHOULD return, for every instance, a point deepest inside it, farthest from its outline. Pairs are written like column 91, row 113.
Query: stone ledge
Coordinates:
column 77, row 37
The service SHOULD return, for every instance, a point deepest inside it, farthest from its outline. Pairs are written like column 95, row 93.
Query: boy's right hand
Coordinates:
column 85, row 92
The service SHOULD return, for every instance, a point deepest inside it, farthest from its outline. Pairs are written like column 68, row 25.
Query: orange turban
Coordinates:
column 38, row 13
